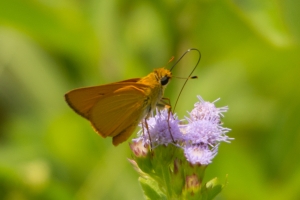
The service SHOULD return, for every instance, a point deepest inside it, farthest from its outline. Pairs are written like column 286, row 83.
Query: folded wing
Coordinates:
column 118, row 114
column 81, row 100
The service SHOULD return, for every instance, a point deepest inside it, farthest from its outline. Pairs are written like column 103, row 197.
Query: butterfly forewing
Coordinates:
column 81, row 100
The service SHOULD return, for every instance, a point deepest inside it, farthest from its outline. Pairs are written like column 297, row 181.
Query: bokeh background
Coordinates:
column 250, row 58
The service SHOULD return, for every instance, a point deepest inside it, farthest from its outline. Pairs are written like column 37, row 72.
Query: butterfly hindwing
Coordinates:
column 117, row 114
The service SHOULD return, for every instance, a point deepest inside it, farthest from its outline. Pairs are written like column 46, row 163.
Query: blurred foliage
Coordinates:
column 250, row 58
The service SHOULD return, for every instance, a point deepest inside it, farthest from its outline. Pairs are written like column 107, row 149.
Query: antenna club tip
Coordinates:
column 194, row 77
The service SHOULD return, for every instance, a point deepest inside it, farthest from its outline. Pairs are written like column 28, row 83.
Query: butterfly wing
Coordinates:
column 117, row 114
column 81, row 100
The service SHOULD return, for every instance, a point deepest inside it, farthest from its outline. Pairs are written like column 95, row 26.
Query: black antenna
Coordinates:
column 189, row 77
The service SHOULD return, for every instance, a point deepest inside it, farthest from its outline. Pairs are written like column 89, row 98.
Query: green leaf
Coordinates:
column 213, row 188
column 214, row 191
column 151, row 189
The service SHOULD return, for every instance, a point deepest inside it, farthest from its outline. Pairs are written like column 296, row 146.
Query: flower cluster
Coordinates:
column 199, row 138
column 204, row 132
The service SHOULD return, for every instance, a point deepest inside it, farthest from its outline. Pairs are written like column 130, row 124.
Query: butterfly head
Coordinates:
column 163, row 76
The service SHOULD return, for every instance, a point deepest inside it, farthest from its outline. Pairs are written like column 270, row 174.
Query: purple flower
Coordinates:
column 162, row 128
column 203, row 131
column 207, row 111
column 200, row 154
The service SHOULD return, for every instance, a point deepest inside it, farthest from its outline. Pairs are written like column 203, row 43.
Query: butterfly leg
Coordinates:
column 145, row 123
column 166, row 103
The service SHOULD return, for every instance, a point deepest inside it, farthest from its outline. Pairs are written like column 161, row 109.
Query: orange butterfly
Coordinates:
column 116, row 109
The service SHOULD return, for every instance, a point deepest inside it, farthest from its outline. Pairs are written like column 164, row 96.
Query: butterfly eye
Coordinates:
column 164, row 80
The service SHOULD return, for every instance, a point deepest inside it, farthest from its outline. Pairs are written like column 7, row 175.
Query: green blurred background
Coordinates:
column 250, row 58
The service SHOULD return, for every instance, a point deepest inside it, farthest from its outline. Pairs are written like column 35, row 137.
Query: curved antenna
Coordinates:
column 189, row 77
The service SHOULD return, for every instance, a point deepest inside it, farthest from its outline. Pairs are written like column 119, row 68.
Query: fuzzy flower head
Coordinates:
column 200, row 154
column 206, row 132
column 204, row 110
column 161, row 129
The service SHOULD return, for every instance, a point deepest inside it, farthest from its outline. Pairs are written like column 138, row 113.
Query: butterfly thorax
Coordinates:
column 155, row 83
